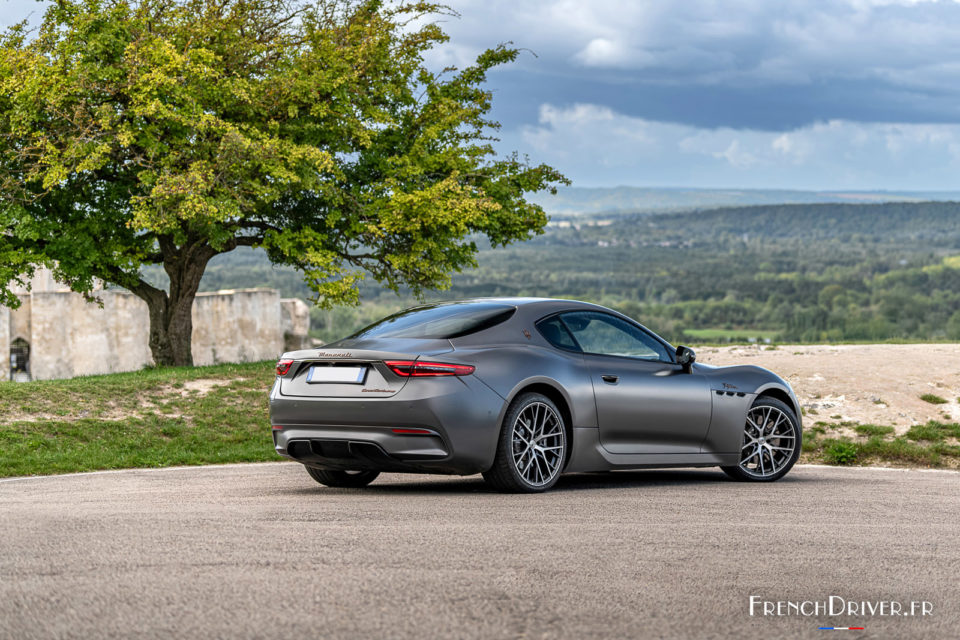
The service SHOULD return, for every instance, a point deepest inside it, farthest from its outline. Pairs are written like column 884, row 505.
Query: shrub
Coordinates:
column 840, row 452
column 933, row 399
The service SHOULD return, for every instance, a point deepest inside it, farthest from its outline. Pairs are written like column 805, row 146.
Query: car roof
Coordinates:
column 532, row 308
column 525, row 301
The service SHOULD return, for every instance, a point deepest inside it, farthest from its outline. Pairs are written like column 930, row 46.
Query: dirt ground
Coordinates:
column 866, row 384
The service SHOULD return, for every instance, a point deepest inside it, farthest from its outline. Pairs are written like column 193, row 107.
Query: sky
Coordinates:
column 770, row 94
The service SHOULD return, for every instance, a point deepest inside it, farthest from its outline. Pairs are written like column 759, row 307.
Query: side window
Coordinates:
column 557, row 334
column 608, row 335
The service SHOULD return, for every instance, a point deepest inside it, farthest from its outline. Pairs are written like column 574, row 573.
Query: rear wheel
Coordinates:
column 532, row 446
column 354, row 479
column 771, row 442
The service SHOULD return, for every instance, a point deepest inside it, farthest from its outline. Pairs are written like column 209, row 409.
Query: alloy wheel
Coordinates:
column 538, row 444
column 769, row 441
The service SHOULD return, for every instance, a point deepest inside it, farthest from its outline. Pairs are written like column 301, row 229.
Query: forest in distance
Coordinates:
column 783, row 273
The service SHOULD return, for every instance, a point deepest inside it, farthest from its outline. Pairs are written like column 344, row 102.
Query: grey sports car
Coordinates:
column 520, row 390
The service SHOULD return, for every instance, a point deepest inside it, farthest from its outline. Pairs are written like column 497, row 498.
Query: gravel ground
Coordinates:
column 254, row 551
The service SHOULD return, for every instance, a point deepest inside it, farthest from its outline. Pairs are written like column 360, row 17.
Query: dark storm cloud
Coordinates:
column 756, row 64
column 816, row 94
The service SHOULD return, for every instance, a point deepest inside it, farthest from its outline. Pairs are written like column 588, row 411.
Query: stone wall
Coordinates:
column 242, row 325
column 20, row 320
column 5, row 343
column 295, row 318
column 70, row 337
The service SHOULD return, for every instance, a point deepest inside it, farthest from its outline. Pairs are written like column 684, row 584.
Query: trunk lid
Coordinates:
column 355, row 368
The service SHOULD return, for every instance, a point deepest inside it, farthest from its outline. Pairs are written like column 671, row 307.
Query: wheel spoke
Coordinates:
column 538, row 424
column 769, row 441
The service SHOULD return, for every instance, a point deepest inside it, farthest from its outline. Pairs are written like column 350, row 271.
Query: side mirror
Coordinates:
column 685, row 357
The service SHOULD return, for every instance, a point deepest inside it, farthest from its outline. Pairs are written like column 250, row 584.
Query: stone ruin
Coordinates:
column 55, row 333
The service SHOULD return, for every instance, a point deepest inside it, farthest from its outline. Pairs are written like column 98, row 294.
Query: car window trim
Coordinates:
column 536, row 324
column 671, row 351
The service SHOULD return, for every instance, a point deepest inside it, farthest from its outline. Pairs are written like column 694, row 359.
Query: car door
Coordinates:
column 645, row 402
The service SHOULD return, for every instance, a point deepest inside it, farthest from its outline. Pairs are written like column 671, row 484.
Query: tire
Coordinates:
column 351, row 479
column 771, row 442
column 532, row 447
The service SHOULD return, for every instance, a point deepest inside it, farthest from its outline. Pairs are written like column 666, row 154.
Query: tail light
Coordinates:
column 420, row 369
column 283, row 366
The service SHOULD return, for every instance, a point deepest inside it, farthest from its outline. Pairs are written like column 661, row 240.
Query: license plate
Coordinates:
column 342, row 375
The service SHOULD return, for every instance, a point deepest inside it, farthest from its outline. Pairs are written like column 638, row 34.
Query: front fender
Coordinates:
column 734, row 390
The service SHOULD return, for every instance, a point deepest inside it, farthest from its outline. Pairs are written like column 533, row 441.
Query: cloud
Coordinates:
column 788, row 41
column 743, row 63
column 597, row 146
column 720, row 93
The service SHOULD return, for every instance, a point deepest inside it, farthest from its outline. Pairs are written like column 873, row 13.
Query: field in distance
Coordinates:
column 788, row 273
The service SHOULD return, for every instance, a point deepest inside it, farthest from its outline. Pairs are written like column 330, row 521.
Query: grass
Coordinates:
column 839, row 452
column 933, row 444
column 873, row 430
column 933, row 399
column 149, row 418
column 933, row 432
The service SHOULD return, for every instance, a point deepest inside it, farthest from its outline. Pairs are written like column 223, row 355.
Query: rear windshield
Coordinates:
column 439, row 321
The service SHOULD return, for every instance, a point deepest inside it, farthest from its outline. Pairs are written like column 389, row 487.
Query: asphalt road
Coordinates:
column 262, row 551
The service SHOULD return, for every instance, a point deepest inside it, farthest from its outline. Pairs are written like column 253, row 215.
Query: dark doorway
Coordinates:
column 19, row 359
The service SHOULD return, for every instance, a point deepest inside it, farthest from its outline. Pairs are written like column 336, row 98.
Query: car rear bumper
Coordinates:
column 460, row 416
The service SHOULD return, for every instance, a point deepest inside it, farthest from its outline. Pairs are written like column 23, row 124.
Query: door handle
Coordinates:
column 610, row 379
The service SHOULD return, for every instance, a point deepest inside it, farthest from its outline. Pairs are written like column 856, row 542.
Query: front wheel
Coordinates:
column 352, row 479
column 771, row 442
column 532, row 446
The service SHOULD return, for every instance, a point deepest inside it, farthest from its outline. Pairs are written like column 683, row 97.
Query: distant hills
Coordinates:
column 583, row 200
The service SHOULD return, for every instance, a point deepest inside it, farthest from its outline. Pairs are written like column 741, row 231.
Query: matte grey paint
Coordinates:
column 654, row 415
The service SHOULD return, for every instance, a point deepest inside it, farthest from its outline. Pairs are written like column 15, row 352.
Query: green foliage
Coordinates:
column 873, row 430
column 933, row 431
column 137, row 132
column 810, row 443
column 933, row 398
column 902, row 450
column 840, row 452
column 925, row 445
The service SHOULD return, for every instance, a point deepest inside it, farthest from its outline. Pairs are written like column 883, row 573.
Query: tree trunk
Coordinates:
column 171, row 314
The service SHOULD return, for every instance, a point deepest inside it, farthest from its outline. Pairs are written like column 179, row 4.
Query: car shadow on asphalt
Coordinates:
column 569, row 482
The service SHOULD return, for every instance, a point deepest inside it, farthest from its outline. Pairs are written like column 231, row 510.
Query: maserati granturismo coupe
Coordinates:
column 522, row 390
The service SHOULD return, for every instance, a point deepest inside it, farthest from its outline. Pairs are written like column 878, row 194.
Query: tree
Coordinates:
column 138, row 132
